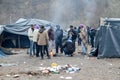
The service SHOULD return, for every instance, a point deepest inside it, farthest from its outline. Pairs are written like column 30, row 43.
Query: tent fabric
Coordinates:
column 22, row 25
column 17, row 33
column 2, row 54
column 14, row 40
column 107, row 39
column 1, row 28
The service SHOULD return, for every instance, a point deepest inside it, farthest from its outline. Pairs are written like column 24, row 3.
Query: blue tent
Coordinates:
column 107, row 39
column 15, row 35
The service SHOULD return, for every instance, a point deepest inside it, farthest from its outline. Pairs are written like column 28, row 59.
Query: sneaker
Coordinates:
column 71, row 55
column 42, row 58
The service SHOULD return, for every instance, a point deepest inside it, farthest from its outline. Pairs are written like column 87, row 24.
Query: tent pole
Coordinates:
column 19, row 40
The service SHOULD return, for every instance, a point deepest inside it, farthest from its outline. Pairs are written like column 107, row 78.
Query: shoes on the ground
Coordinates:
column 71, row 55
column 42, row 58
column 37, row 55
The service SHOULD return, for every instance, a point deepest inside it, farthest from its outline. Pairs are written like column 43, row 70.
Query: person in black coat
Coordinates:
column 68, row 47
column 92, row 35
column 72, row 35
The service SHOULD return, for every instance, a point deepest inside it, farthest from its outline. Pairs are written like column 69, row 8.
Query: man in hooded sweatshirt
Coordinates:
column 42, row 41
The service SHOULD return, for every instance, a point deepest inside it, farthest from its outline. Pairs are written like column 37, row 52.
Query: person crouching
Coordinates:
column 68, row 48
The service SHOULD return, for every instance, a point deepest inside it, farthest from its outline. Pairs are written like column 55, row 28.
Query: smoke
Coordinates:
column 89, row 10
column 60, row 11
column 67, row 12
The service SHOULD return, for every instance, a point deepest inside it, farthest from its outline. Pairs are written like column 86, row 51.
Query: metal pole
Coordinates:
column 19, row 41
column 10, row 19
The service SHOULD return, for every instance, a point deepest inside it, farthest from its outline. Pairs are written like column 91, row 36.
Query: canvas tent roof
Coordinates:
column 107, row 39
column 16, row 33
column 21, row 26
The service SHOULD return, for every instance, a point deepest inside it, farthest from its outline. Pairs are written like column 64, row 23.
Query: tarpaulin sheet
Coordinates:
column 107, row 40
column 21, row 26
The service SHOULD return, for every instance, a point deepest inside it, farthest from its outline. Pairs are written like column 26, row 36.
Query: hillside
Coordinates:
column 64, row 12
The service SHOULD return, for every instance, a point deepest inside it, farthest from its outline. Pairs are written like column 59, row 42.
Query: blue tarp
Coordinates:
column 2, row 54
column 17, row 33
column 107, row 39
column 22, row 25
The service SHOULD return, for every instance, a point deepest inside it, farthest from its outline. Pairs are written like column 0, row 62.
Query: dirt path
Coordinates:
column 91, row 68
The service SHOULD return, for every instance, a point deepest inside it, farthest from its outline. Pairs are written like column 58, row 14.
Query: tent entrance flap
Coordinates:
column 14, row 41
column 107, row 39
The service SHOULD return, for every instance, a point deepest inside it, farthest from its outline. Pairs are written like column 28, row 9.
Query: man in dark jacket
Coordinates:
column 92, row 35
column 58, row 39
column 51, row 39
column 68, row 47
column 72, row 35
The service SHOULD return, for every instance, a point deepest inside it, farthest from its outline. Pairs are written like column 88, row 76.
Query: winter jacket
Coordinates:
column 51, row 34
column 58, row 36
column 35, row 33
column 30, row 34
column 69, row 45
column 74, row 36
column 42, row 37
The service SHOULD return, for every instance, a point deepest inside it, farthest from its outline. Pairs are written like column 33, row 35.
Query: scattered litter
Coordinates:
column 54, row 65
column 30, row 75
column 16, row 76
column 6, row 64
column 57, row 69
column 8, row 75
column 41, row 64
column 17, row 51
column 62, row 77
column 68, row 77
column 110, row 64
column 24, row 62
column 45, row 71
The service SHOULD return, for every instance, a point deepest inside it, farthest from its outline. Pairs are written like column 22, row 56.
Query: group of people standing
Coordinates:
column 43, row 41
column 83, row 36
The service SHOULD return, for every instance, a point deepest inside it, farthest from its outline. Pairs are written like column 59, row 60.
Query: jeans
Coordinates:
column 31, row 47
column 84, row 49
column 42, row 49
column 35, row 46
column 79, row 41
column 58, row 45
column 92, row 42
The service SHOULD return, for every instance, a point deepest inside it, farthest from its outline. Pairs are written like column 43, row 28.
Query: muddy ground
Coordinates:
column 27, row 68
